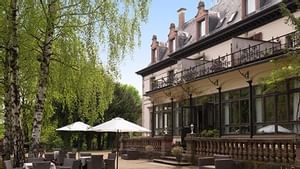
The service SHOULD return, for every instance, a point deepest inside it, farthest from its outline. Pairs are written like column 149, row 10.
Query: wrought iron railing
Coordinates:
column 261, row 51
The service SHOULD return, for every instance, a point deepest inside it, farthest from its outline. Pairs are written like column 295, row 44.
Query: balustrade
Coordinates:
column 255, row 149
column 160, row 144
column 264, row 150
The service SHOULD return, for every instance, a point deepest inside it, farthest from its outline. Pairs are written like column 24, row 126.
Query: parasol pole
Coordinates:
column 117, row 149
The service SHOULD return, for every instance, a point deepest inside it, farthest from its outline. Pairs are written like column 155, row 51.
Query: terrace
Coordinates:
column 279, row 151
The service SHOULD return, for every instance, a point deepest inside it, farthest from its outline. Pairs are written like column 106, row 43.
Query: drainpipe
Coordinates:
column 220, row 111
column 172, row 116
column 153, row 120
column 251, row 108
column 191, row 110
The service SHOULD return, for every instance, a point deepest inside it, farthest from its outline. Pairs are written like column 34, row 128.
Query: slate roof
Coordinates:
column 224, row 14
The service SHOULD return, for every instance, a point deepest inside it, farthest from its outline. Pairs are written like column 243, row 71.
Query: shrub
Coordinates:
column 177, row 152
column 149, row 150
column 210, row 133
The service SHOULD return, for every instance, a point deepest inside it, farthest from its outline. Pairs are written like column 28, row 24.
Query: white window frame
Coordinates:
column 250, row 6
column 202, row 28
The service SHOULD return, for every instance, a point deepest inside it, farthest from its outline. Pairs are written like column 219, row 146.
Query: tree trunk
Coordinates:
column 8, row 138
column 13, row 50
column 43, row 75
column 99, row 141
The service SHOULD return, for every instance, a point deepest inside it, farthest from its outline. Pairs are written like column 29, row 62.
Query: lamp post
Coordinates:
column 192, row 128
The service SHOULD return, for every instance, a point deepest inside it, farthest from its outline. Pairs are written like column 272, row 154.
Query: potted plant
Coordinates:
column 177, row 152
column 149, row 151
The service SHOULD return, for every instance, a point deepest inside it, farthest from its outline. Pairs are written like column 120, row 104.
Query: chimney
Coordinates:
column 172, row 26
column 153, row 49
column 181, row 18
column 154, row 42
column 201, row 6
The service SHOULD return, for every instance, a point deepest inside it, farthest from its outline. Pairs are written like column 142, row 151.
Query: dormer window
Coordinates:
column 174, row 45
column 250, row 6
column 202, row 28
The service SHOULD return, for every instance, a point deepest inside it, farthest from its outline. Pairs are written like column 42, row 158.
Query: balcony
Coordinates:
column 254, row 52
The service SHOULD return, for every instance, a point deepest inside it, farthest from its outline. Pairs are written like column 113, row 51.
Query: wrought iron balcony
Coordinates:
column 253, row 53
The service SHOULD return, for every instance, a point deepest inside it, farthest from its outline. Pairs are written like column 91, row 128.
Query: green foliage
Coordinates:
column 81, row 86
column 149, row 148
column 288, row 66
column 292, row 19
column 210, row 133
column 1, row 131
column 126, row 103
column 50, row 139
column 177, row 152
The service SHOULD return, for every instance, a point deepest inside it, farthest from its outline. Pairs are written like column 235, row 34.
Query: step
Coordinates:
column 171, row 158
column 171, row 162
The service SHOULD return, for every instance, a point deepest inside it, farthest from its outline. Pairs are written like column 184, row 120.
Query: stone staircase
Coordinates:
column 171, row 160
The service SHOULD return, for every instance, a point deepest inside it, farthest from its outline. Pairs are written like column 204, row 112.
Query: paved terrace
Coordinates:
column 142, row 164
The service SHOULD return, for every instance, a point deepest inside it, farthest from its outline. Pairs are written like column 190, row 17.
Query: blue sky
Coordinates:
column 161, row 14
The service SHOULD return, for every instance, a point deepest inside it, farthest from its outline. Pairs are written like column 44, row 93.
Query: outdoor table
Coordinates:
column 84, row 160
column 29, row 166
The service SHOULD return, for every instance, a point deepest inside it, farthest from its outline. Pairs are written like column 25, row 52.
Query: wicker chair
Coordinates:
column 72, row 155
column 70, row 163
column 96, row 162
column 84, row 154
column 8, row 165
column 110, row 157
column 61, row 157
column 110, row 164
column 131, row 155
column 41, row 165
column 49, row 156
column 34, row 159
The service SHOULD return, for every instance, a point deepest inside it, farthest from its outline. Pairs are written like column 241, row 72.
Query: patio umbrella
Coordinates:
column 271, row 129
column 77, row 126
column 118, row 125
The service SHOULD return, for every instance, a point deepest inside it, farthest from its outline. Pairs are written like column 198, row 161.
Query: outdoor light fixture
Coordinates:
column 165, row 130
column 192, row 129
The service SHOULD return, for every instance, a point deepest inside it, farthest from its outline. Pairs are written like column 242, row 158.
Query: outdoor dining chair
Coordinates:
column 8, row 165
column 34, row 159
column 49, row 156
column 70, row 163
column 61, row 157
column 109, row 163
column 96, row 162
column 110, row 157
column 41, row 165
column 72, row 155
column 84, row 154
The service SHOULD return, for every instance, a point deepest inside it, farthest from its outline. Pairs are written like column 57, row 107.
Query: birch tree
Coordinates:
column 14, row 138
column 114, row 24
